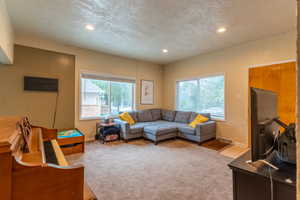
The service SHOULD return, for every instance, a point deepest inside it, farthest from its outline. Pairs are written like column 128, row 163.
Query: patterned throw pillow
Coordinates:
column 194, row 115
column 199, row 119
column 126, row 117
column 133, row 114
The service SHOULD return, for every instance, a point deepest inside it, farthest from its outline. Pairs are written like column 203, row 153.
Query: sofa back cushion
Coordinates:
column 133, row 114
column 194, row 115
column 182, row 117
column 156, row 114
column 168, row 115
column 144, row 116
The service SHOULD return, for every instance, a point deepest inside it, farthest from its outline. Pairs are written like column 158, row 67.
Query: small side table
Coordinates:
column 71, row 141
column 101, row 127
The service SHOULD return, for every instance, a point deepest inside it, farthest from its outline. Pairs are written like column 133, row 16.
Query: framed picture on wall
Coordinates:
column 147, row 92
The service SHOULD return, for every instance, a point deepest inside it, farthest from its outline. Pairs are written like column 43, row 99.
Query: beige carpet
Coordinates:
column 233, row 151
column 139, row 170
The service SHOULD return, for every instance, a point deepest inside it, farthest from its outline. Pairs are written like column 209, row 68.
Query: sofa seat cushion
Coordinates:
column 158, row 122
column 186, row 129
column 182, row 117
column 160, row 129
column 141, row 125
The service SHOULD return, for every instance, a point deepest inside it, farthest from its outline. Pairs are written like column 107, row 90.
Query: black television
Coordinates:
column 40, row 84
column 264, row 128
column 268, row 144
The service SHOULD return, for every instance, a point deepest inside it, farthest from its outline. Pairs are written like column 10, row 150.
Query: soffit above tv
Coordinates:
column 141, row 29
column 4, row 59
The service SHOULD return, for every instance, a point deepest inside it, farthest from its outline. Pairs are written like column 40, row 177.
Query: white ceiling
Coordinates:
column 141, row 28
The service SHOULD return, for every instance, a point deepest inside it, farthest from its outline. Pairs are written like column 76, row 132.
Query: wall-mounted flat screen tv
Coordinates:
column 40, row 84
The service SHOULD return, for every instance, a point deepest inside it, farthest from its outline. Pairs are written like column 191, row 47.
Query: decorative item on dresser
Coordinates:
column 33, row 167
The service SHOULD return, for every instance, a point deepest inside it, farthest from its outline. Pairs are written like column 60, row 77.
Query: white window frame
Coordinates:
column 202, row 77
column 108, row 76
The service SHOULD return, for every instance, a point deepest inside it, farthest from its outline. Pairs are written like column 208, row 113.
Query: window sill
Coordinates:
column 219, row 119
column 90, row 118
column 97, row 118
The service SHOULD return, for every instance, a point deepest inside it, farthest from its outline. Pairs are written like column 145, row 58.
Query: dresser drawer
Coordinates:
column 72, row 148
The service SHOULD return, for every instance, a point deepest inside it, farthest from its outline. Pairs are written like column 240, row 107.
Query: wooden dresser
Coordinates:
column 251, row 183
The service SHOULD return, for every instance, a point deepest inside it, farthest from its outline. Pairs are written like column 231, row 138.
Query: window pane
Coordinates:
column 104, row 97
column 202, row 95
column 187, row 95
column 121, row 97
column 95, row 98
column 212, row 96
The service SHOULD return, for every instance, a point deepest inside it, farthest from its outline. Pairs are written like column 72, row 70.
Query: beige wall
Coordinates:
column 234, row 63
column 87, row 60
column 39, row 106
column 6, row 36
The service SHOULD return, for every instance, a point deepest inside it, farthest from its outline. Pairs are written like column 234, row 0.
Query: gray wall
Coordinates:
column 39, row 106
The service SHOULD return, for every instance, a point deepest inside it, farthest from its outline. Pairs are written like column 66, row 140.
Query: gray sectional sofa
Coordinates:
column 160, row 124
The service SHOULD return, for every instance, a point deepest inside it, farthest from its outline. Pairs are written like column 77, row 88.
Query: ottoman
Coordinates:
column 158, row 133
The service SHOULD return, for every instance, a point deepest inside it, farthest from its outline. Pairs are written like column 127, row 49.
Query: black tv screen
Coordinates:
column 263, row 127
column 40, row 84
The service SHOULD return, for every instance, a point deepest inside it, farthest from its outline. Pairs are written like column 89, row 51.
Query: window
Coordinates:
column 202, row 95
column 102, row 96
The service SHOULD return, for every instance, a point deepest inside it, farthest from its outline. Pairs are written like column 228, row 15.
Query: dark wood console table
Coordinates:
column 251, row 183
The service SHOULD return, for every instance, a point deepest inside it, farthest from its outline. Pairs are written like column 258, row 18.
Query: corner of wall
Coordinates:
column 6, row 36
column 163, row 73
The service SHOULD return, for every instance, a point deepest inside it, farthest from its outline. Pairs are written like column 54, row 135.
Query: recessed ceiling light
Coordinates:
column 221, row 30
column 90, row 27
column 165, row 51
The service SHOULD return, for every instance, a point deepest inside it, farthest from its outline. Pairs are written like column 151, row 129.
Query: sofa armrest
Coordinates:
column 124, row 126
column 206, row 128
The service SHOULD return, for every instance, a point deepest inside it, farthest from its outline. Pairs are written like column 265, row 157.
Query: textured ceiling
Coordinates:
column 141, row 28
